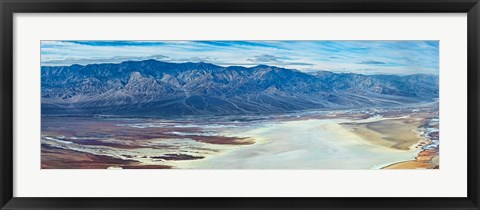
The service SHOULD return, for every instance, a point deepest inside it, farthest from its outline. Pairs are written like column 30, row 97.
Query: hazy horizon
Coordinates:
column 363, row 57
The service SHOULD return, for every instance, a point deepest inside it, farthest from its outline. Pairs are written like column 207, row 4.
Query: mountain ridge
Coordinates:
column 152, row 87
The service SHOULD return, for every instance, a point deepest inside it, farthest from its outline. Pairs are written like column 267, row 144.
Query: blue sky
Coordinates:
column 365, row 57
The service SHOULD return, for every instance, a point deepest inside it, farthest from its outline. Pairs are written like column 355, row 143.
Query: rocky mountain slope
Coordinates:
column 152, row 88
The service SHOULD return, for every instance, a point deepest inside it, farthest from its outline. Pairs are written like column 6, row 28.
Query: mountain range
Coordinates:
column 156, row 88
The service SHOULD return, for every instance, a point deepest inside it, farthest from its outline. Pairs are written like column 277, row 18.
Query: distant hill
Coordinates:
column 152, row 87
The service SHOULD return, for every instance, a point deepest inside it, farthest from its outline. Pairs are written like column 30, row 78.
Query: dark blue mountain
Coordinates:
column 152, row 87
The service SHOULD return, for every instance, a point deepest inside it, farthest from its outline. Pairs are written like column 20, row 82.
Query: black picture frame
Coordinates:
column 9, row 7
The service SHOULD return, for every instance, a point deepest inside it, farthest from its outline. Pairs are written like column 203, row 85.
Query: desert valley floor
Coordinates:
column 376, row 138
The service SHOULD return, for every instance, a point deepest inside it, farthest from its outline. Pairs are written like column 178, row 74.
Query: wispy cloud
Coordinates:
column 368, row 57
column 84, row 61
column 371, row 62
column 264, row 58
column 118, row 43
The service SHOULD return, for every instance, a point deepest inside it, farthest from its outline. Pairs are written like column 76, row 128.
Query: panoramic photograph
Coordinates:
column 319, row 105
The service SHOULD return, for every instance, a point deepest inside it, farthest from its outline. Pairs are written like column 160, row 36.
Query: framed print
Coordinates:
column 239, row 105
column 164, row 113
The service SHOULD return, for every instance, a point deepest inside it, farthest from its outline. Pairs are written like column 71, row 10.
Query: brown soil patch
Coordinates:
column 394, row 133
column 427, row 159
column 58, row 158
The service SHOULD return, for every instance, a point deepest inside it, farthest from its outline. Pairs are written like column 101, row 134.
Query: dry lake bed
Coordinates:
column 376, row 138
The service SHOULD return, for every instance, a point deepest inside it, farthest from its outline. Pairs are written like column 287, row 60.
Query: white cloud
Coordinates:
column 388, row 57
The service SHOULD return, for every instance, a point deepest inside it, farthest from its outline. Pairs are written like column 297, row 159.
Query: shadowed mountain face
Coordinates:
column 154, row 88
